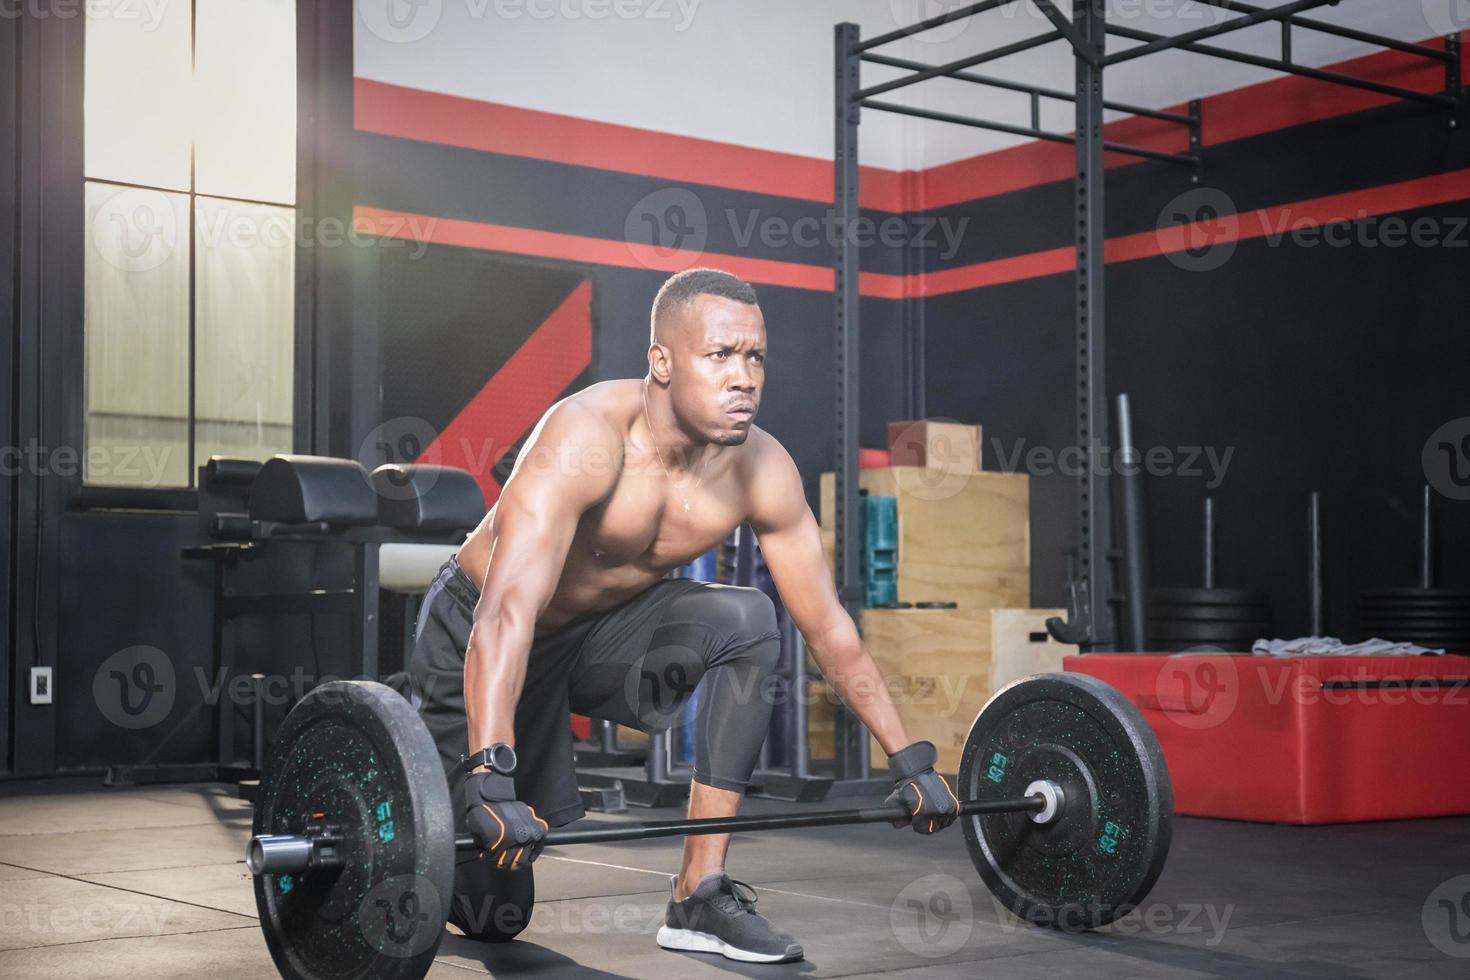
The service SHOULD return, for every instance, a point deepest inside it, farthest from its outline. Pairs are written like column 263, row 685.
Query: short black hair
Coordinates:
column 682, row 287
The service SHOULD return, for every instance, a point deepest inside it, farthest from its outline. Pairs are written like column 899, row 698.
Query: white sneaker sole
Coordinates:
column 689, row 941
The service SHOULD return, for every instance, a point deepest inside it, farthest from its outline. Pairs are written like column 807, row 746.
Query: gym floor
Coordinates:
column 147, row 882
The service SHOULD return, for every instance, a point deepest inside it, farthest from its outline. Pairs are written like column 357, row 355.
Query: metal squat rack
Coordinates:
column 1090, row 624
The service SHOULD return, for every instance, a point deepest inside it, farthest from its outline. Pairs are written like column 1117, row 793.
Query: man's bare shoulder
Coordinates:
column 773, row 481
column 599, row 414
column 584, row 436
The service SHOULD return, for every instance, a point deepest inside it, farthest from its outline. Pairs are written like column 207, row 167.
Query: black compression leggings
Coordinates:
column 721, row 639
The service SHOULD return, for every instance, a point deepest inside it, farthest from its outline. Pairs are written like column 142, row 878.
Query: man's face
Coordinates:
column 717, row 368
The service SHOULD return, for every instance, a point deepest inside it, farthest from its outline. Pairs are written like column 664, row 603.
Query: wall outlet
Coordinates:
column 40, row 685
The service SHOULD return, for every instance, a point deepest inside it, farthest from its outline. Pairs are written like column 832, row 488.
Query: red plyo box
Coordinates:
column 1304, row 740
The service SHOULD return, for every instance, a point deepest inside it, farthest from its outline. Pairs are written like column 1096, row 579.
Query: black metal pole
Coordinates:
column 1094, row 504
column 850, row 739
column 734, row 825
column 1275, row 64
column 257, row 722
column 1135, row 531
column 1208, row 559
column 1426, row 542
column 1258, row 16
column 1314, row 563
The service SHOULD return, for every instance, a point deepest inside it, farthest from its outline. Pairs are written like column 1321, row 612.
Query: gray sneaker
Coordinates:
column 719, row 916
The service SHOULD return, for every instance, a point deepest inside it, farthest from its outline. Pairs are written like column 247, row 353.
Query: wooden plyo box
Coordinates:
column 937, row 666
column 936, row 445
column 1020, row 645
column 962, row 537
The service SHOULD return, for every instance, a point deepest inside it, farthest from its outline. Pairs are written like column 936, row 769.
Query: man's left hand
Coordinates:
column 932, row 805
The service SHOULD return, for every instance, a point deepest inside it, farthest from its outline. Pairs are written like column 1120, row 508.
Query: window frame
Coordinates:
column 65, row 216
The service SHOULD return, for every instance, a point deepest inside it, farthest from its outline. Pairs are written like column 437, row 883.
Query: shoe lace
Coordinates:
column 737, row 897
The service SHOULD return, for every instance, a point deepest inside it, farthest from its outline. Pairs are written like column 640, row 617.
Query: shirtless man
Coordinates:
column 558, row 603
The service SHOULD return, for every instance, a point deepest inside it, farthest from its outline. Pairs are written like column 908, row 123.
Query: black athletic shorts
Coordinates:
column 585, row 666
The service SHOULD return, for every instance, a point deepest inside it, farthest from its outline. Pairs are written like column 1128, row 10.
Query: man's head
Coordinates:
column 708, row 350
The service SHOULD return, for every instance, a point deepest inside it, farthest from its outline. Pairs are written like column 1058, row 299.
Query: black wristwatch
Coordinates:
column 498, row 758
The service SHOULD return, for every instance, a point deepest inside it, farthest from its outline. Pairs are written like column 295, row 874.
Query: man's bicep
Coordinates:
column 791, row 544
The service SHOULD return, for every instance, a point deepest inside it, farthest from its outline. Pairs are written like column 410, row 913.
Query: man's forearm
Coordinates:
column 494, row 673
column 859, row 683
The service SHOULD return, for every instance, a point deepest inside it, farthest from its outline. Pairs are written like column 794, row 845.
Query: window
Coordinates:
column 190, row 168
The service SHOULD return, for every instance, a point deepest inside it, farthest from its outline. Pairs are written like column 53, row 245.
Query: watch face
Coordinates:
column 502, row 758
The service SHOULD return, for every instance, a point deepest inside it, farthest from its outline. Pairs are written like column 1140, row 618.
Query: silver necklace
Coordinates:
column 648, row 420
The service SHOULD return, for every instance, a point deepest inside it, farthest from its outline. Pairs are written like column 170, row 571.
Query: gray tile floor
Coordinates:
column 147, row 882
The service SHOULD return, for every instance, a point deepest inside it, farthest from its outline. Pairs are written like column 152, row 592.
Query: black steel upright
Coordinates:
column 851, row 739
column 1090, row 614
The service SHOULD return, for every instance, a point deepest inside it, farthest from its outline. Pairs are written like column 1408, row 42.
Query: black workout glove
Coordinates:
column 922, row 791
column 508, row 831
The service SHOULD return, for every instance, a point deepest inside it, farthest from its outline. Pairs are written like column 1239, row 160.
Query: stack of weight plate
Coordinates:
column 1434, row 618
column 1230, row 620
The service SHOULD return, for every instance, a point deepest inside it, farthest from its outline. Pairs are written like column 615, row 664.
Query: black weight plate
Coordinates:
column 1207, row 631
column 1097, row 860
column 1167, row 612
column 1206, row 597
column 357, row 753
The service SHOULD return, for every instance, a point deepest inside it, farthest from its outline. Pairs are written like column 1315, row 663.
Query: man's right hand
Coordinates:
column 508, row 831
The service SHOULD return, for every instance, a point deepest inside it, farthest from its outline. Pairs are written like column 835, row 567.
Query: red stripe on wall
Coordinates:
column 432, row 117
column 1278, row 103
column 1260, row 223
column 602, row 251
column 519, row 393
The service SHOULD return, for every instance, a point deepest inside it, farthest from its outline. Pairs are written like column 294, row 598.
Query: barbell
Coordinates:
column 1066, row 812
